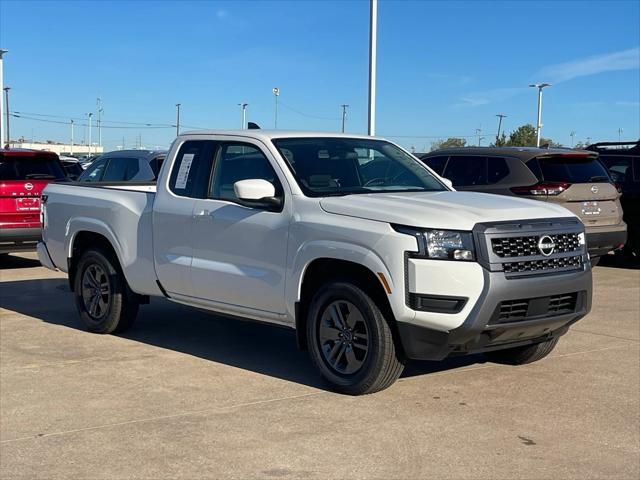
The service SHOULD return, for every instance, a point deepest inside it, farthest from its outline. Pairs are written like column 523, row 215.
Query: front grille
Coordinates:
column 530, row 308
column 567, row 263
column 528, row 246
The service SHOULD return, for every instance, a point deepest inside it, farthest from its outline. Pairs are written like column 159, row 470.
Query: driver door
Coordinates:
column 239, row 251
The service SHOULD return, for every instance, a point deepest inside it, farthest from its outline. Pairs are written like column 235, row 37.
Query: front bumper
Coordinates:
column 19, row 239
column 479, row 334
column 601, row 240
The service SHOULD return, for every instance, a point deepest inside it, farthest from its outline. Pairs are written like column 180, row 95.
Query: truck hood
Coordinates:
column 446, row 210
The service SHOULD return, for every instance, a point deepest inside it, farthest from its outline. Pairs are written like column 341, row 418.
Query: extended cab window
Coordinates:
column 467, row 171
column 240, row 162
column 191, row 168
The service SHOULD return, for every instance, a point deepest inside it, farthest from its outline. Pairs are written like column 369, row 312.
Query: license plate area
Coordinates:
column 28, row 204
column 590, row 209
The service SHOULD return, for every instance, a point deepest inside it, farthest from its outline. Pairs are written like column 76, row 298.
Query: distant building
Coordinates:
column 59, row 148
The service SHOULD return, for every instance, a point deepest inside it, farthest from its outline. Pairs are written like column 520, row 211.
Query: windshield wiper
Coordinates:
column 39, row 175
column 599, row 178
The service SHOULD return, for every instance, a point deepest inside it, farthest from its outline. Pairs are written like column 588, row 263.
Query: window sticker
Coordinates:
column 183, row 172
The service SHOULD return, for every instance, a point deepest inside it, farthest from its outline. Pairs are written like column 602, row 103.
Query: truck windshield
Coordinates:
column 345, row 166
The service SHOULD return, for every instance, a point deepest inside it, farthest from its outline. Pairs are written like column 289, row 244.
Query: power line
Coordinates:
column 306, row 114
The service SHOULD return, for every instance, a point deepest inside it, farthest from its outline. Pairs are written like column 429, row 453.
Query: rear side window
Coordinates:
column 467, row 171
column 573, row 169
column 94, row 172
column 121, row 169
column 30, row 168
column 190, row 174
column 497, row 169
column 436, row 163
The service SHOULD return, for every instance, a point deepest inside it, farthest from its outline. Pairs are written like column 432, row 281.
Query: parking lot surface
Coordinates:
column 186, row 394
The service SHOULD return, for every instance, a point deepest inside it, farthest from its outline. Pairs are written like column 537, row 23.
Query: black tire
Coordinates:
column 352, row 372
column 523, row 355
column 115, row 307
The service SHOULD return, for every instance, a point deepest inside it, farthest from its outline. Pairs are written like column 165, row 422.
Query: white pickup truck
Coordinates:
column 371, row 256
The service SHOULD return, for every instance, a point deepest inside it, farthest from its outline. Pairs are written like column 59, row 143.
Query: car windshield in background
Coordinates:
column 30, row 168
column 343, row 166
column 573, row 169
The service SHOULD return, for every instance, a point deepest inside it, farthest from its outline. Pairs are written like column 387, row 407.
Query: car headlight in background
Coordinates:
column 441, row 244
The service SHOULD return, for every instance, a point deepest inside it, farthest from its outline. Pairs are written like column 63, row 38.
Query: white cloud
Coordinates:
column 477, row 99
column 609, row 62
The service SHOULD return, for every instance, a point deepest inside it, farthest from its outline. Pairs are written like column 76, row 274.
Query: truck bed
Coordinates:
column 121, row 212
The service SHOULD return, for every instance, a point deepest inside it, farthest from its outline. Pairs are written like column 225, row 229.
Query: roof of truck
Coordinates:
column 272, row 134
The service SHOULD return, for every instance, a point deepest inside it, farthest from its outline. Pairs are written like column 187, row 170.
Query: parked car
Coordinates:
column 23, row 176
column 575, row 179
column 72, row 167
column 125, row 166
column 350, row 240
column 623, row 161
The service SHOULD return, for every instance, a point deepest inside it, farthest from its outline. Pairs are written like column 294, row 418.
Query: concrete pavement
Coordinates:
column 189, row 395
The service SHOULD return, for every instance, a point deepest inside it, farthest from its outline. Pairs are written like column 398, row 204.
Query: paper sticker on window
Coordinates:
column 183, row 172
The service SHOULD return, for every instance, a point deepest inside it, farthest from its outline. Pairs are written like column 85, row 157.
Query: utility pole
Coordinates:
column 90, row 114
column 178, row 119
column 276, row 94
column 100, row 110
column 620, row 130
column 6, row 103
column 244, row 114
column 479, row 134
column 344, row 115
column 500, row 117
column 373, row 31
column 573, row 136
column 71, row 153
column 2, row 52
column 539, row 86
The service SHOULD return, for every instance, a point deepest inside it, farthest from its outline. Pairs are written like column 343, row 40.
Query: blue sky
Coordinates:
column 444, row 68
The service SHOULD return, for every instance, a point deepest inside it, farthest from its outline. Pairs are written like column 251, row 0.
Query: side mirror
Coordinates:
column 447, row 182
column 257, row 192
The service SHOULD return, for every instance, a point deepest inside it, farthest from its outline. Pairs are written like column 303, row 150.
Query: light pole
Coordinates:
column 620, row 131
column 373, row 30
column 2, row 52
column 480, row 137
column 500, row 116
column 344, row 115
column 178, row 119
column 539, row 86
column 89, row 115
column 276, row 94
column 244, row 114
column 573, row 136
column 100, row 110
column 6, row 103
column 71, row 153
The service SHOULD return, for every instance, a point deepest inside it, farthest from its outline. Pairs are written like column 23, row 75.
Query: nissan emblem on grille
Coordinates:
column 594, row 189
column 546, row 245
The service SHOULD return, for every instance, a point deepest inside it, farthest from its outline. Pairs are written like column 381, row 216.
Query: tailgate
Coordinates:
column 595, row 203
column 20, row 203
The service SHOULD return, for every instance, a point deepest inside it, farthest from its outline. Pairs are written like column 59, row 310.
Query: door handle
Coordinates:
column 202, row 214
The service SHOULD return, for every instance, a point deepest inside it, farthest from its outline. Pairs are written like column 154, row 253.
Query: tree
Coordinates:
column 501, row 141
column 448, row 143
column 525, row 136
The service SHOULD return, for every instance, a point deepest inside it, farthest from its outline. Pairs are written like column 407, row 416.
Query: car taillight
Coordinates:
column 542, row 188
column 618, row 187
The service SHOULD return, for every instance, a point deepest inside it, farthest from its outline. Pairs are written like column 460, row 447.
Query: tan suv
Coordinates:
column 574, row 179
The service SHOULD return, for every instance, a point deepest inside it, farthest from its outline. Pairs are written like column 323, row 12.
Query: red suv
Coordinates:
column 23, row 176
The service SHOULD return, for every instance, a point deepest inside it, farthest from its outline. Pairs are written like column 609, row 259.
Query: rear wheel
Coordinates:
column 350, row 340
column 103, row 299
column 523, row 355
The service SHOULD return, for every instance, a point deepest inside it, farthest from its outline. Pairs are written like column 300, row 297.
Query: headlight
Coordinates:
column 442, row 244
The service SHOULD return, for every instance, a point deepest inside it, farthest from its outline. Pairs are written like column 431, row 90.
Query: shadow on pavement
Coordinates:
column 619, row 260
column 254, row 346
column 12, row 261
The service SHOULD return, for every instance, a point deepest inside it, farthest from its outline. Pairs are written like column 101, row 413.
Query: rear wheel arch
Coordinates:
column 323, row 270
column 82, row 241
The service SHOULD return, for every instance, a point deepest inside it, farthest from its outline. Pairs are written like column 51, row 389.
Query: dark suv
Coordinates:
column 125, row 166
column 575, row 179
column 623, row 161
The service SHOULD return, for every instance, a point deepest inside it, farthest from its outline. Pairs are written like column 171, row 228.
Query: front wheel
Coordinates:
column 350, row 340
column 523, row 355
column 103, row 299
